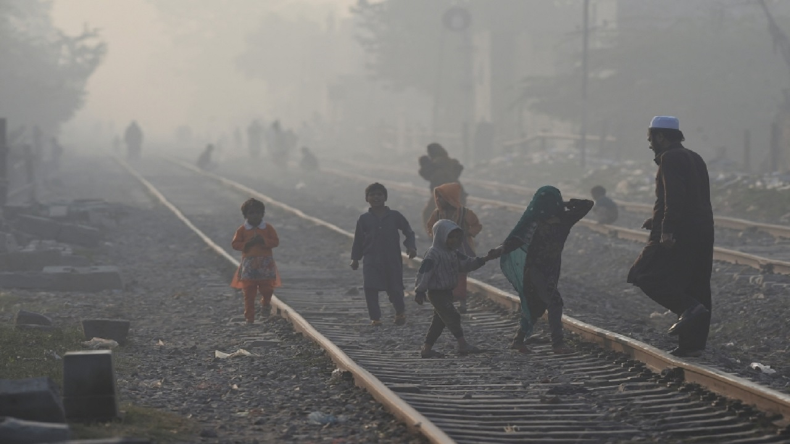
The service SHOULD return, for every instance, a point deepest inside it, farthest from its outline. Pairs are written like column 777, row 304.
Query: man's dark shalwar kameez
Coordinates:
column 377, row 244
column 679, row 276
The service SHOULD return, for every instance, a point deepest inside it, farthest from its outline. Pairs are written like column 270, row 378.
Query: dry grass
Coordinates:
column 141, row 422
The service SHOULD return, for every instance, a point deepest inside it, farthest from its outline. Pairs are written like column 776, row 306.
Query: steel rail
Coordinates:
column 733, row 223
column 657, row 360
column 391, row 401
column 721, row 254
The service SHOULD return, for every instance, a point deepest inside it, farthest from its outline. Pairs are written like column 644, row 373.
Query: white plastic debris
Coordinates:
column 240, row 352
column 763, row 368
column 97, row 343
column 321, row 418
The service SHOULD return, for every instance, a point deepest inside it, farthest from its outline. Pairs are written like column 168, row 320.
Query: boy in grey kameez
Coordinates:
column 377, row 244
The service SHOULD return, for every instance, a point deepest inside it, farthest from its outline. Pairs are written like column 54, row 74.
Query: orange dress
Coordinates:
column 464, row 217
column 257, row 264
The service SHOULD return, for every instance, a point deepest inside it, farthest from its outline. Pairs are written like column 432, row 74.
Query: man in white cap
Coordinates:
column 674, row 268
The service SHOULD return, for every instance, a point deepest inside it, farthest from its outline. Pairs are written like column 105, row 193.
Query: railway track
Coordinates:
column 779, row 231
column 766, row 264
column 613, row 389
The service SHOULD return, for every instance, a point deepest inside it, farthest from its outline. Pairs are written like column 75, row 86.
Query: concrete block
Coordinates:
column 27, row 280
column 79, row 235
column 40, row 227
column 88, row 279
column 28, row 317
column 89, row 389
column 115, row 329
column 34, row 399
column 16, row 431
column 45, row 228
column 30, row 260
column 15, row 210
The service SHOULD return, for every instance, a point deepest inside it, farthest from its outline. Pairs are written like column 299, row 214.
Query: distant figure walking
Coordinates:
column 133, row 138
column 280, row 144
column 605, row 209
column 438, row 169
column 255, row 138
column 57, row 152
column 309, row 162
column 674, row 268
column 204, row 161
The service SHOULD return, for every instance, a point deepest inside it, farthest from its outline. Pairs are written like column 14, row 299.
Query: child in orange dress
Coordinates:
column 257, row 271
column 449, row 206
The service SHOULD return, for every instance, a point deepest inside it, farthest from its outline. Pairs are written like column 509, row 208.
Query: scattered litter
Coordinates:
column 656, row 314
column 729, row 344
column 55, row 355
column 160, row 343
column 97, row 343
column 320, row 418
column 762, row 368
column 240, row 352
column 511, row 429
column 339, row 375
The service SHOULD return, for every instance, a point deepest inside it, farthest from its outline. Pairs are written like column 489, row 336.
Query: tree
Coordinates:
column 717, row 73
column 44, row 71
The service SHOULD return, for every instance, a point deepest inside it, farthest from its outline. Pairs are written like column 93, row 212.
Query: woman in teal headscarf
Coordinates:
column 532, row 257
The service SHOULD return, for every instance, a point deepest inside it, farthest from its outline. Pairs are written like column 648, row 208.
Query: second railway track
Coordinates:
column 730, row 255
column 594, row 395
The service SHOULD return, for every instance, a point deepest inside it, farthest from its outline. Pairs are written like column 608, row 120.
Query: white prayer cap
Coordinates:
column 665, row 122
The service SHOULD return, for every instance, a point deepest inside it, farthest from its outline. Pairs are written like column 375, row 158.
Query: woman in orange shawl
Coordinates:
column 448, row 206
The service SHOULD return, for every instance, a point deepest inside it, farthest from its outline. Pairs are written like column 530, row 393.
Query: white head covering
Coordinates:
column 665, row 122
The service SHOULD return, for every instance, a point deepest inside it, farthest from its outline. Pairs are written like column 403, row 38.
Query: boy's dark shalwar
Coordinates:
column 377, row 244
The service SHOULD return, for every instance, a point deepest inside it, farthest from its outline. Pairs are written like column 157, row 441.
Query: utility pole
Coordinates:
column 747, row 151
column 585, row 46
column 3, row 164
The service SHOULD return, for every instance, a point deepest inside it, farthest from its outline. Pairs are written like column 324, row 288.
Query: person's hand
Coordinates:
column 493, row 254
column 354, row 265
column 648, row 225
column 419, row 298
column 667, row 240
column 411, row 252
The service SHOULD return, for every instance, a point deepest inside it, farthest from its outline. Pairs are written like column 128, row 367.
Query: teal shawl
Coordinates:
column 546, row 202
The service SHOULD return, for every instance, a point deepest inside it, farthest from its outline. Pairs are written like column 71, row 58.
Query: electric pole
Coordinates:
column 585, row 46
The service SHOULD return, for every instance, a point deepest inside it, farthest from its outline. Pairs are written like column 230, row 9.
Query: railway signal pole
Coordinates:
column 3, row 164
column 585, row 46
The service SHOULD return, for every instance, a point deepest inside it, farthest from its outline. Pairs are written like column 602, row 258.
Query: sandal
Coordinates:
column 521, row 348
column 430, row 354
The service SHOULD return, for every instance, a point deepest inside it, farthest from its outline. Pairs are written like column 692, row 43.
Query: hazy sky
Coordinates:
column 163, row 82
